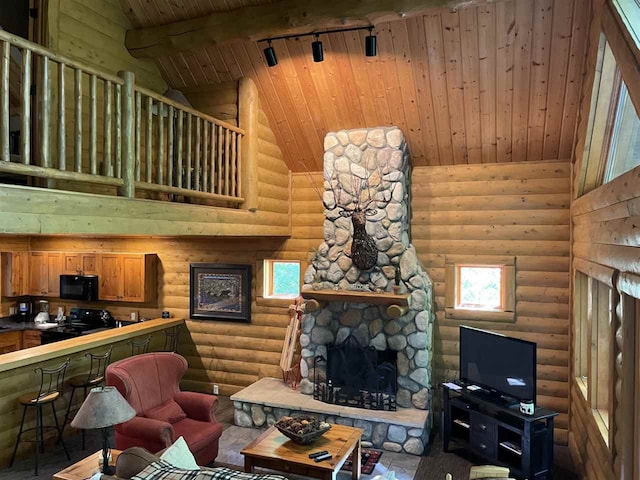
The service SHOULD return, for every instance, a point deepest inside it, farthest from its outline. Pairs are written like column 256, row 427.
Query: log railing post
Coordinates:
column 248, row 111
column 128, row 163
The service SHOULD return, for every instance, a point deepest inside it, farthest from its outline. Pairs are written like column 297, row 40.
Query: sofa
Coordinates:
column 138, row 462
column 151, row 384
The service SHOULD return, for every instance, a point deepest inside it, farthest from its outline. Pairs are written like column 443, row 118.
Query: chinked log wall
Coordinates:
column 484, row 213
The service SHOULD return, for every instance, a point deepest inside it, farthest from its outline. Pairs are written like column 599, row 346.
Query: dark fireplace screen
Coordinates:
column 356, row 376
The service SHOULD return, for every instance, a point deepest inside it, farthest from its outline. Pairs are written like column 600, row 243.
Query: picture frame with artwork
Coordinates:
column 220, row 292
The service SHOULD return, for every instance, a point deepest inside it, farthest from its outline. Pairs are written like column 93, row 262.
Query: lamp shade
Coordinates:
column 103, row 407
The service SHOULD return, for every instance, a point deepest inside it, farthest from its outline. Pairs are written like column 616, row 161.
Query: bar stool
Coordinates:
column 140, row 346
column 95, row 377
column 51, row 388
column 171, row 337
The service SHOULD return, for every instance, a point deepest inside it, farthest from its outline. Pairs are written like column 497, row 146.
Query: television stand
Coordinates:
column 498, row 432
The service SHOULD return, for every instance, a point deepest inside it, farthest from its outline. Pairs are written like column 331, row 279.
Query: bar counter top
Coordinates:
column 29, row 356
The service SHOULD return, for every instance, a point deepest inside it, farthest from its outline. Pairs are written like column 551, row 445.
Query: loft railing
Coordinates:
column 122, row 135
column 194, row 152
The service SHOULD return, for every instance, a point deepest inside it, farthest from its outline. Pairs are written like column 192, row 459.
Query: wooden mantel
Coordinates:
column 283, row 17
column 397, row 304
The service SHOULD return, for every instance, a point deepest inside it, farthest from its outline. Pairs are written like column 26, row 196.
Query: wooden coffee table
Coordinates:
column 275, row 451
column 86, row 467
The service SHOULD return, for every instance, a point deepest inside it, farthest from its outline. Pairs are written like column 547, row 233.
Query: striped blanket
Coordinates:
column 163, row 471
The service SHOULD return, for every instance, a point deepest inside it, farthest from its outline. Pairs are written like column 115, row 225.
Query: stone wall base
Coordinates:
column 381, row 435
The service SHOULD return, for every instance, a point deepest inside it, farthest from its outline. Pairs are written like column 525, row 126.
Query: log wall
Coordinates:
column 487, row 212
column 93, row 32
column 603, row 233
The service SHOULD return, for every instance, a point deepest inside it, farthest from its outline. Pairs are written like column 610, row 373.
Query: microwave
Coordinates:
column 79, row 287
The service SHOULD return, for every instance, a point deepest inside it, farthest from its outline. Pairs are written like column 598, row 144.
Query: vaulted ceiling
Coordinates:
column 497, row 82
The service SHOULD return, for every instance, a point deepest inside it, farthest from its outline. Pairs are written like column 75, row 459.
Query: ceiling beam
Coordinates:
column 283, row 17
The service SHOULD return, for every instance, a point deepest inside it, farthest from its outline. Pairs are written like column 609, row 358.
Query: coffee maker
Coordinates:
column 24, row 311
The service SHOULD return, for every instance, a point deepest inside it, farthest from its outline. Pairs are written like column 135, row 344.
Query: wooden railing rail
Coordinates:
column 136, row 138
column 182, row 151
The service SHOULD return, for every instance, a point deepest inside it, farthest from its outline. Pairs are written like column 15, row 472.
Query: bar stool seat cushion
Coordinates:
column 31, row 398
column 150, row 383
column 82, row 381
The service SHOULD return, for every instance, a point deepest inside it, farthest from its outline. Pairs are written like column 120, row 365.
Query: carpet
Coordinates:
column 368, row 461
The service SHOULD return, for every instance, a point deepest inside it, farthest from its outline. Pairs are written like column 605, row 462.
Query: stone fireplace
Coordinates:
column 367, row 224
column 356, row 153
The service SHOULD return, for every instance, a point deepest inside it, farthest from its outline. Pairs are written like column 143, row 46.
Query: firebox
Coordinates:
column 359, row 376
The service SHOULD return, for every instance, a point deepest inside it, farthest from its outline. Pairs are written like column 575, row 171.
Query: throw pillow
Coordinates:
column 167, row 412
column 180, row 456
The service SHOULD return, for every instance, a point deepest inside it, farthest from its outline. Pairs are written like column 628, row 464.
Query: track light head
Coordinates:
column 270, row 55
column 316, row 48
column 370, row 44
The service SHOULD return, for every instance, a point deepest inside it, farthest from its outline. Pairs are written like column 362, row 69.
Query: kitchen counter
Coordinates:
column 43, row 353
column 8, row 325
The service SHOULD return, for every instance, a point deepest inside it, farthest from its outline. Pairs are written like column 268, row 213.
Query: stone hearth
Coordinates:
column 263, row 403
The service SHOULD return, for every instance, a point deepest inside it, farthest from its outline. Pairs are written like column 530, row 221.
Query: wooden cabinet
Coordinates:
column 54, row 270
column 10, row 342
column 127, row 277
column 123, row 277
column 31, row 338
column 111, row 283
column 15, row 274
column 80, row 263
column 45, row 269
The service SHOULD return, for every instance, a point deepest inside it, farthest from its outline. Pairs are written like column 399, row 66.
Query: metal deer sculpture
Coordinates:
column 365, row 191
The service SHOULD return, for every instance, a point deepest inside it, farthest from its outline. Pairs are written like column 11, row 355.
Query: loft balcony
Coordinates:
column 84, row 151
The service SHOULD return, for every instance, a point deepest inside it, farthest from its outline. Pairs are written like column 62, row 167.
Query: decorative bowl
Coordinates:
column 303, row 430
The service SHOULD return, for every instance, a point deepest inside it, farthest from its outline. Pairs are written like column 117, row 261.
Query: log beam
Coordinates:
column 284, row 17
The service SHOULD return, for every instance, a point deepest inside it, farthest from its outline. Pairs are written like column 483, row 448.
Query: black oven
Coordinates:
column 79, row 287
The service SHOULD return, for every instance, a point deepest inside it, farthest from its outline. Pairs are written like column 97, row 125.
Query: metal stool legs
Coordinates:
column 15, row 449
column 60, row 440
column 39, row 431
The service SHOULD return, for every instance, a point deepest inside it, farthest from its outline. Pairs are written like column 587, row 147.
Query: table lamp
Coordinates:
column 104, row 407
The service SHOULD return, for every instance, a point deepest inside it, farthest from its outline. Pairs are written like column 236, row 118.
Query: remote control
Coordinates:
column 326, row 456
column 317, row 454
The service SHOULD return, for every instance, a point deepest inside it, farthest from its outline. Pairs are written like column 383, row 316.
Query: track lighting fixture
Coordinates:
column 316, row 48
column 270, row 55
column 370, row 46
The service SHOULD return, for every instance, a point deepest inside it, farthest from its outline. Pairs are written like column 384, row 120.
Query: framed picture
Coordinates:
column 220, row 292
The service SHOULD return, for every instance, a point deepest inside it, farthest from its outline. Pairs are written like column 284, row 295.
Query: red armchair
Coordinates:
column 150, row 383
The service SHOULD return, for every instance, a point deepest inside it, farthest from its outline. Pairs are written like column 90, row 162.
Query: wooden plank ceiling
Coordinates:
column 498, row 82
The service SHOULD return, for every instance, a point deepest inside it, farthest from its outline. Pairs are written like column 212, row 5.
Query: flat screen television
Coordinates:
column 502, row 365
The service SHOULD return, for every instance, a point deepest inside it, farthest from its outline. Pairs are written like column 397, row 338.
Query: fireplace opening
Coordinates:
column 354, row 375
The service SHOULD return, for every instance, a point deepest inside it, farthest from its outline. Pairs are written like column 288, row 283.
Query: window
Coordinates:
column 480, row 291
column 599, row 383
column 612, row 147
column 479, row 287
column 281, row 279
column 629, row 11
column 624, row 150
column 594, row 348
column 581, row 316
